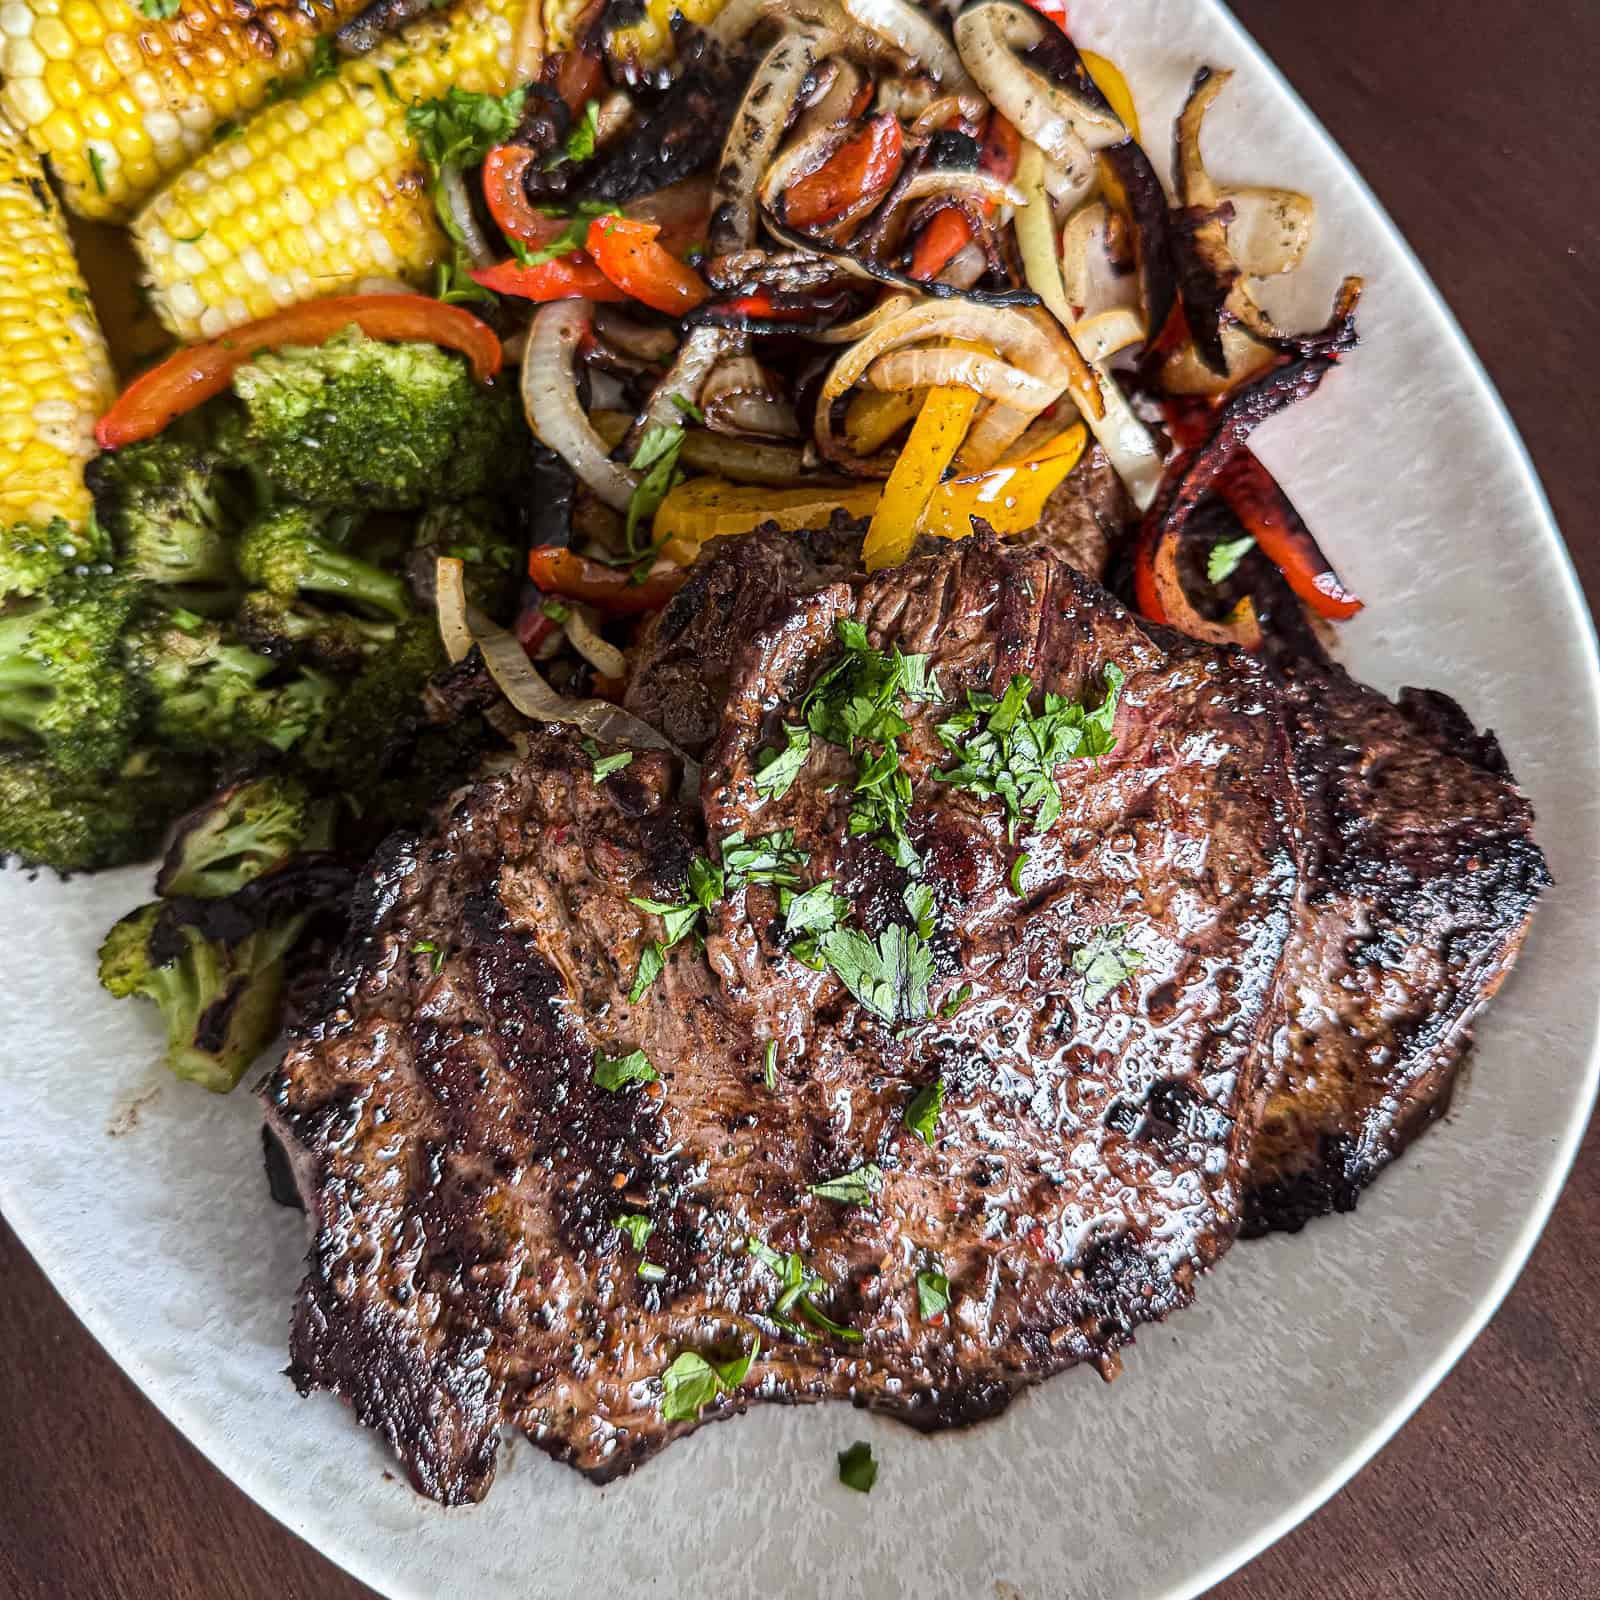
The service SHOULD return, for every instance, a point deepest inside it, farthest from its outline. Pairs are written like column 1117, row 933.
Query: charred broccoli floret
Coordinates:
column 211, row 693
column 285, row 552
column 63, row 684
column 32, row 558
column 362, row 423
column 243, row 830
column 288, row 629
column 81, row 824
column 221, row 1001
column 169, row 511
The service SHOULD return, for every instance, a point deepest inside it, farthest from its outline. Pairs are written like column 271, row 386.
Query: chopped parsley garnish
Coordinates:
column 1018, row 867
column 554, row 609
column 637, row 1226
column 569, row 239
column 933, row 1294
column 769, row 1065
column 616, row 1072
column 687, row 408
column 323, row 64
column 691, row 1383
column 771, row 858
column 426, row 947
column 857, row 1469
column 386, row 78
column 810, row 917
column 796, row 1288
column 97, row 168
column 922, row 1110
column 582, row 138
column 956, row 1001
column 777, row 769
column 889, row 977
column 604, row 766
column 657, row 459
column 853, row 1188
column 652, row 962
column 1223, row 560
column 650, row 1271
column 1105, row 961
column 460, row 128
column 1010, row 752
column 160, row 10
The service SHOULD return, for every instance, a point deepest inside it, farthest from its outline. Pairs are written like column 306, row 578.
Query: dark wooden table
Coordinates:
column 1474, row 120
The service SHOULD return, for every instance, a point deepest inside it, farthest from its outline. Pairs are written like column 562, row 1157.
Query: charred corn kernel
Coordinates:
column 706, row 508
column 645, row 43
column 321, row 193
column 55, row 377
column 117, row 98
column 1009, row 497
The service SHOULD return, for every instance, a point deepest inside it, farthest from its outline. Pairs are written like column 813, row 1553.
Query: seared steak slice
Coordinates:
column 1086, row 516
column 1420, row 877
column 465, row 1173
column 680, row 674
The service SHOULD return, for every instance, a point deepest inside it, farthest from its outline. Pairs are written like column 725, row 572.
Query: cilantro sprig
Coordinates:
column 1222, row 560
column 1011, row 753
column 691, row 1383
column 853, row 1188
column 1105, row 960
column 797, row 1288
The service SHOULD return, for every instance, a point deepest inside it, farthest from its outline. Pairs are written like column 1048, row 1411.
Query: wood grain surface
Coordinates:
column 1474, row 120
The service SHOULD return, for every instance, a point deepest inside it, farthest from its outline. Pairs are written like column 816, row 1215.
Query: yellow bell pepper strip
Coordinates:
column 1111, row 83
column 875, row 416
column 1009, row 497
column 706, row 508
column 936, row 435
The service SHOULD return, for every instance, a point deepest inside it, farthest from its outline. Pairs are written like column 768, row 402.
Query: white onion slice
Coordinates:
column 979, row 185
column 1271, row 229
column 961, row 369
column 915, row 35
column 450, row 601
column 458, row 204
column 550, row 399
column 600, row 653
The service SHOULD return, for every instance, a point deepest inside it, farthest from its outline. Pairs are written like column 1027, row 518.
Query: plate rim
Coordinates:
column 196, row 1425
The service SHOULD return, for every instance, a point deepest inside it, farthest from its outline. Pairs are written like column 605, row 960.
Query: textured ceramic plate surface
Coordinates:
column 144, row 1200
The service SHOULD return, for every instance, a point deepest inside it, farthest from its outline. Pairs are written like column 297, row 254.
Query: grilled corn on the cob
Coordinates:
column 118, row 96
column 55, row 376
column 645, row 43
column 320, row 192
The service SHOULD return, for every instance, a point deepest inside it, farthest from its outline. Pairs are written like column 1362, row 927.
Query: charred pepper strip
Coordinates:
column 609, row 589
column 862, row 168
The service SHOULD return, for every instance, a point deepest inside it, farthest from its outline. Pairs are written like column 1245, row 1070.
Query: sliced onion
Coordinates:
column 1085, row 228
column 458, row 206
column 832, row 107
column 742, row 460
column 1036, row 237
column 527, row 46
column 966, row 266
column 996, row 430
column 1100, row 337
column 937, row 114
column 686, row 203
column 602, row 655
column 642, row 341
column 917, row 36
column 976, row 185
column 961, row 369
column 697, row 355
column 550, row 400
column 990, row 36
column 741, row 396
column 891, row 305
column 1270, row 230
column 450, row 601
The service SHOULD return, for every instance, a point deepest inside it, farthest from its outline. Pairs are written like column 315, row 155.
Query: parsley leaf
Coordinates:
column 890, row 978
column 585, row 133
column 616, row 1072
column 771, row 858
column 857, row 1469
column 652, row 961
column 1018, row 867
column 460, row 128
column 323, row 64
column 691, row 1383
column 956, row 1001
column 922, row 1110
column 679, row 920
column 160, row 10
column 570, row 238
column 1105, row 961
column 1223, row 560
column 933, row 1294
column 769, row 1066
column 657, row 458
column 426, row 947
column 97, row 167
column 650, row 1271
column 604, row 766
column 797, row 1285
column 1011, row 753
column 854, row 1188
column 777, row 769
column 637, row 1226
column 554, row 609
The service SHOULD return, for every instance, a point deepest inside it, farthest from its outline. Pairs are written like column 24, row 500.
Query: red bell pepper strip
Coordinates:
column 948, row 232
column 579, row 78
column 197, row 373
column 517, row 218
column 570, row 277
column 1055, row 10
column 627, row 253
column 612, row 590
column 859, row 171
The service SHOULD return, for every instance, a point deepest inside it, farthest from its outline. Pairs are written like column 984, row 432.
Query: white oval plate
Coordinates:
column 144, row 1201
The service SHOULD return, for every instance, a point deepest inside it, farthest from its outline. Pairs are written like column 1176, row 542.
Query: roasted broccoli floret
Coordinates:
column 81, row 824
column 169, row 511
column 210, row 692
column 288, row 629
column 63, row 684
column 362, row 423
column 221, row 1001
column 241, row 831
column 475, row 532
column 32, row 558
column 285, row 552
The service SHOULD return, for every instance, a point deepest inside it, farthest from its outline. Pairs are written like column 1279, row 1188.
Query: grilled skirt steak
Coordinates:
column 1056, row 1069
